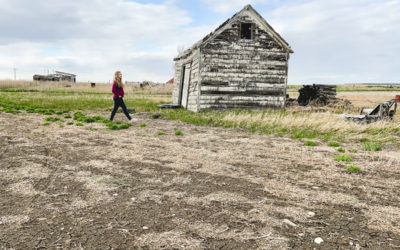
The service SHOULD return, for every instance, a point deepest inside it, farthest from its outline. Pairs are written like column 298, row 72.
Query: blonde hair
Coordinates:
column 118, row 80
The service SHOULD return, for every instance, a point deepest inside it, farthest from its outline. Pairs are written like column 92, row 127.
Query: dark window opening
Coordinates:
column 246, row 31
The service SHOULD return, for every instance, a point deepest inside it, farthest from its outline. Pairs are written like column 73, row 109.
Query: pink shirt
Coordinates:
column 118, row 92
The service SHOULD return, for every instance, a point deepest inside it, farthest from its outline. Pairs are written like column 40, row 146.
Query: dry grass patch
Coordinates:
column 168, row 240
column 150, row 195
column 98, row 189
column 265, row 236
column 24, row 188
column 384, row 218
column 14, row 220
column 28, row 170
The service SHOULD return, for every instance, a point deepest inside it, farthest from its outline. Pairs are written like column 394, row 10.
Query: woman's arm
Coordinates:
column 114, row 88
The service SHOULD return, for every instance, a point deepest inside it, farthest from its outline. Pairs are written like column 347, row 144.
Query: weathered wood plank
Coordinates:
column 271, row 92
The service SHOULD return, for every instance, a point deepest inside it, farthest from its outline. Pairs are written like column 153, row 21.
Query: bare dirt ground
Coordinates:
column 211, row 188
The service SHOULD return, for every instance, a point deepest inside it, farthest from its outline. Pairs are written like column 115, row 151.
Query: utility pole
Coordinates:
column 15, row 74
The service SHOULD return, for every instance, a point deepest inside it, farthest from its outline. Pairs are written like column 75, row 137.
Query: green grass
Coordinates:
column 70, row 123
column 61, row 125
column 353, row 150
column 178, row 132
column 67, row 100
column 269, row 122
column 372, row 146
column 160, row 133
column 343, row 157
column 353, row 168
column 53, row 119
column 142, row 125
column 333, row 144
column 46, row 123
column 310, row 143
column 78, row 124
column 341, row 150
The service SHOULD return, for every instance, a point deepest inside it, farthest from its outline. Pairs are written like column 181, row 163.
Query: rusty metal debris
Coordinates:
column 383, row 111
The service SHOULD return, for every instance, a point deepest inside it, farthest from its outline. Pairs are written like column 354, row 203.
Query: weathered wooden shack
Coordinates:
column 241, row 64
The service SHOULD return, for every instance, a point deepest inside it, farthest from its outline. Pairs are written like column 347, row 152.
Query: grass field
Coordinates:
column 174, row 179
column 293, row 122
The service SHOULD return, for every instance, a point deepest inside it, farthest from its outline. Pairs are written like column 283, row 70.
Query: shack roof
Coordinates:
column 221, row 28
column 64, row 73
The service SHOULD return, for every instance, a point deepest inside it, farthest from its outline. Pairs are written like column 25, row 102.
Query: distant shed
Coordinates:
column 57, row 77
column 242, row 64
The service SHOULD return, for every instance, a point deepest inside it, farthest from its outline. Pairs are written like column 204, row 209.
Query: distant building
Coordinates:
column 171, row 81
column 241, row 64
column 57, row 77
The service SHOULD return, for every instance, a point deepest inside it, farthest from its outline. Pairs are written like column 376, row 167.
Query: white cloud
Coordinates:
column 92, row 38
column 341, row 40
column 333, row 40
column 229, row 5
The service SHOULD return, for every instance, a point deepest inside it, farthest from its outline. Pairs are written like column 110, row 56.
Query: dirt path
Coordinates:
column 211, row 188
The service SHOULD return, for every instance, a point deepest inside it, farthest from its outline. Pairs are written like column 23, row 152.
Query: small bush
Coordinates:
column 52, row 119
column 341, row 150
column 115, row 126
column 160, row 133
column 353, row 150
column 99, row 118
column 62, row 112
column 79, row 124
column 46, row 124
column 343, row 157
column 62, row 125
column 70, row 123
column 178, row 132
column 142, row 125
column 143, row 135
column 125, row 125
column 353, row 168
column 310, row 143
column 67, row 116
column 372, row 146
column 11, row 111
column 333, row 144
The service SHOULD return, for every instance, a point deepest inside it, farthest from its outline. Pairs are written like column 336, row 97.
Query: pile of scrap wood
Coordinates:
column 317, row 94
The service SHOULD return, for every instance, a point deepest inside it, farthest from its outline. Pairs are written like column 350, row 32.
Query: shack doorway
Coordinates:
column 183, row 100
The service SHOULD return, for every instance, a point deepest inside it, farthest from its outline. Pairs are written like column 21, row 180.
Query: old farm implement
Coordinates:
column 383, row 111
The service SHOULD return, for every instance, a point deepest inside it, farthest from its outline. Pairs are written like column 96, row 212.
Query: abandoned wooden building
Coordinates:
column 56, row 77
column 241, row 64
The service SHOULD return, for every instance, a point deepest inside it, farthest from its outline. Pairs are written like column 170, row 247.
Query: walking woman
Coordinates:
column 118, row 91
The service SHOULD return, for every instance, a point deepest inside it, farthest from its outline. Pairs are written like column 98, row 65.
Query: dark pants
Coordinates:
column 119, row 102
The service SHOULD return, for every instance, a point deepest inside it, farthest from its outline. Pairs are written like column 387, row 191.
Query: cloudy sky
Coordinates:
column 335, row 41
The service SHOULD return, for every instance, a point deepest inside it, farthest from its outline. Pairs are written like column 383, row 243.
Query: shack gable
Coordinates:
column 249, row 13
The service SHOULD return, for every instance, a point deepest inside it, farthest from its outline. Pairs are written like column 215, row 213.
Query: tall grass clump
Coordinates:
column 353, row 168
column 372, row 146
column 343, row 157
column 333, row 144
column 310, row 143
column 178, row 132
